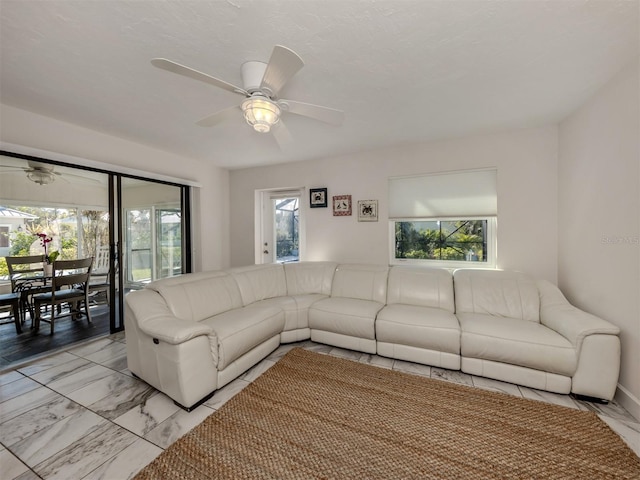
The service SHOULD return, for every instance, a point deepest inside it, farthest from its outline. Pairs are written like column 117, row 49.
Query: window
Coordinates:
column 154, row 249
column 287, row 219
column 446, row 219
column 444, row 242
column 4, row 236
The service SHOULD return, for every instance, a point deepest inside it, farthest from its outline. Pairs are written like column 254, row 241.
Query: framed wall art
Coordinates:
column 342, row 205
column 367, row 210
column 318, row 197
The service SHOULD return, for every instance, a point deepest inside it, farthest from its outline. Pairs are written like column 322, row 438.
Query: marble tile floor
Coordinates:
column 80, row 414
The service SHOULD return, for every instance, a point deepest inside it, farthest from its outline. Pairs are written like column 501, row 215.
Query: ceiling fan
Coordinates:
column 262, row 108
column 43, row 173
column 40, row 173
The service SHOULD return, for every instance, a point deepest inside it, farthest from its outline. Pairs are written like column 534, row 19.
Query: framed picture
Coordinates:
column 367, row 210
column 318, row 197
column 342, row 205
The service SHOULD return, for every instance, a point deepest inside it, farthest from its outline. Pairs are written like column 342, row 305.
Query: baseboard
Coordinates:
column 628, row 401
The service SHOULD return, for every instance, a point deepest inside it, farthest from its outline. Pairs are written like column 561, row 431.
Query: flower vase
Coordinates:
column 48, row 269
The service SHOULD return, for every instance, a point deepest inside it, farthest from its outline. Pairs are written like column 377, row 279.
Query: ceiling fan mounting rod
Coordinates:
column 252, row 75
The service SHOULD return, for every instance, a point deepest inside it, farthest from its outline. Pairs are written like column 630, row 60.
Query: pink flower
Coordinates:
column 44, row 240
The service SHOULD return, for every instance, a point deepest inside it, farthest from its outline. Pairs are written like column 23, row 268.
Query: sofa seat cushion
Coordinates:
column 346, row 316
column 303, row 303
column 421, row 327
column 516, row 342
column 287, row 305
column 240, row 330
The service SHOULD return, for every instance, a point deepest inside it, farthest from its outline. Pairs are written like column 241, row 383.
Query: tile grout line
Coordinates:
column 79, row 405
column 139, row 437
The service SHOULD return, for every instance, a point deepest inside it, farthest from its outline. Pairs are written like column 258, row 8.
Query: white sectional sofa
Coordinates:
column 190, row 335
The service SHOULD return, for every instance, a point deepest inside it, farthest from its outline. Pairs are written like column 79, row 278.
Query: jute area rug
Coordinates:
column 314, row 416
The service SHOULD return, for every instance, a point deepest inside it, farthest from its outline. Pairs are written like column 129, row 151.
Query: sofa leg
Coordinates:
column 187, row 409
column 195, row 405
column 587, row 398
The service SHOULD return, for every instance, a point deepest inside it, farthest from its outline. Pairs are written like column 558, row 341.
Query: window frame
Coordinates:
column 491, row 252
column 8, row 233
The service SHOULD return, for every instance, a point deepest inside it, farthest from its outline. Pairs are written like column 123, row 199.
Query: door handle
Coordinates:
column 265, row 251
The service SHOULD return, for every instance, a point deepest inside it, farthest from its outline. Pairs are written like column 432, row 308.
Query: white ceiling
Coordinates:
column 404, row 71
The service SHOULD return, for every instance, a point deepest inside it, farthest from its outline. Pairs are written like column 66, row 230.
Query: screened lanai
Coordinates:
column 72, row 207
column 287, row 221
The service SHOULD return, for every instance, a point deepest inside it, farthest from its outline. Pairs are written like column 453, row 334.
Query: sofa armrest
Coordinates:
column 596, row 342
column 153, row 317
column 569, row 321
column 172, row 330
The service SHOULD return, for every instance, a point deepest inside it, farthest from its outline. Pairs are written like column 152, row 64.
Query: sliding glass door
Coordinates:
column 152, row 237
column 136, row 229
column 68, row 207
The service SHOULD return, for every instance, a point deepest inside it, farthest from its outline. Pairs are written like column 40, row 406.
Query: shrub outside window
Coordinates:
column 450, row 242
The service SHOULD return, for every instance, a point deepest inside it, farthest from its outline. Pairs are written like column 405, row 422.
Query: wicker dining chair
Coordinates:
column 68, row 285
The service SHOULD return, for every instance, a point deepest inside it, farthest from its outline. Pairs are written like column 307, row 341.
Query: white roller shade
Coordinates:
column 273, row 194
column 456, row 194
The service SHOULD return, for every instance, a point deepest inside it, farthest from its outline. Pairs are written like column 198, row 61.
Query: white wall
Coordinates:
column 527, row 197
column 211, row 201
column 599, row 216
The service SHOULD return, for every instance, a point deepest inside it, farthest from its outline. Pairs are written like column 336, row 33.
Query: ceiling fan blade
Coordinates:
column 10, row 169
column 219, row 117
column 324, row 114
column 281, row 134
column 283, row 64
column 174, row 67
column 41, row 170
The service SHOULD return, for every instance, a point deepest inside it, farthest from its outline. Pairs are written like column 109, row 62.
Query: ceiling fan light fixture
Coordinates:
column 261, row 113
column 41, row 177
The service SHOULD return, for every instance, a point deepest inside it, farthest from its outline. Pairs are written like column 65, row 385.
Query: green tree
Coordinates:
column 440, row 240
column 21, row 243
column 95, row 230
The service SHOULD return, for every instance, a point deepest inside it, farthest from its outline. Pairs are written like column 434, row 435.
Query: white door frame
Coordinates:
column 264, row 220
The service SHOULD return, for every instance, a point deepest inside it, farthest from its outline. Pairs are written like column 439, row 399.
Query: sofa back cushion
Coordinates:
column 497, row 292
column 304, row 278
column 421, row 286
column 259, row 282
column 364, row 282
column 196, row 296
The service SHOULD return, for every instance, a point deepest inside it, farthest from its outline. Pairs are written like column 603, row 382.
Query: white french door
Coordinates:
column 279, row 220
